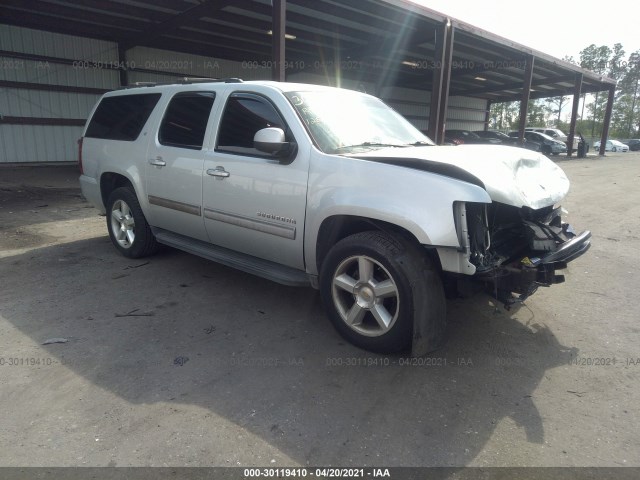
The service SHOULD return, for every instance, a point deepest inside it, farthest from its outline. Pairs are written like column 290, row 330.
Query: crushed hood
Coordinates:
column 510, row 175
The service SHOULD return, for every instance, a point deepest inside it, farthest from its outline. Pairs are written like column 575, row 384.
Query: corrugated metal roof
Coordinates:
column 370, row 39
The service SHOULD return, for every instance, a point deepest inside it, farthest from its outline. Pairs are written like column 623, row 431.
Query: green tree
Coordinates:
column 595, row 59
column 555, row 105
column 606, row 61
column 626, row 118
column 537, row 113
column 504, row 116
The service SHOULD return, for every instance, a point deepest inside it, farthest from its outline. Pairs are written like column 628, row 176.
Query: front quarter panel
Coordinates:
column 420, row 202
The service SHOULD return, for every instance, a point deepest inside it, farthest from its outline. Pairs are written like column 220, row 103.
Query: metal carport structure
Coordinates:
column 383, row 43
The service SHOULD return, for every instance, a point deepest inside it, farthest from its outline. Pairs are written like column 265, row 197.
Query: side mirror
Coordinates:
column 271, row 140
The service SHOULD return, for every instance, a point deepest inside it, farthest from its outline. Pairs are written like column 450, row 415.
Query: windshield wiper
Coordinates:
column 420, row 143
column 369, row 144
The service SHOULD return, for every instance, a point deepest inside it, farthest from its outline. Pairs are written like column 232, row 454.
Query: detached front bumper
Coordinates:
column 524, row 277
column 517, row 250
column 569, row 250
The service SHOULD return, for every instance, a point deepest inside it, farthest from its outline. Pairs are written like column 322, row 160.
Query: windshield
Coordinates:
column 343, row 121
column 544, row 136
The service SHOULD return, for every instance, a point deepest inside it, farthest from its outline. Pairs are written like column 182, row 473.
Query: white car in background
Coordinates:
column 612, row 146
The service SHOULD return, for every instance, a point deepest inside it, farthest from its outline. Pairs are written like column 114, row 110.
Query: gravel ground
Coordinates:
column 174, row 360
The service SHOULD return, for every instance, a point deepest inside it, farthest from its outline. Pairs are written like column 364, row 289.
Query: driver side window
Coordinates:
column 243, row 116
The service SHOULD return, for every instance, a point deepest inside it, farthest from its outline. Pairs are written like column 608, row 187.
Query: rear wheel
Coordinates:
column 614, row 149
column 128, row 229
column 373, row 285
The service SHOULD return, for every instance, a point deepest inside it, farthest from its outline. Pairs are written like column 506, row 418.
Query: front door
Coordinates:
column 253, row 202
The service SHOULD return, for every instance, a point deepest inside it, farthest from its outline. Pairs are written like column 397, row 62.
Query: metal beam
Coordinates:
column 375, row 16
column 574, row 112
column 436, row 85
column 332, row 31
column 514, row 85
column 487, row 116
column 58, row 122
column 41, row 21
column 47, row 87
column 47, row 59
column 210, row 50
column 122, row 63
column 524, row 100
column 471, row 67
column 187, row 17
column 382, row 46
column 279, row 22
column 440, row 82
column 556, row 92
column 254, row 30
column 607, row 120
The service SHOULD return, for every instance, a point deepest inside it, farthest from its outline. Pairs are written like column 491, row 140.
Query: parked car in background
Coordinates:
column 634, row 145
column 467, row 137
column 548, row 145
column 507, row 140
column 554, row 133
column 612, row 146
column 495, row 135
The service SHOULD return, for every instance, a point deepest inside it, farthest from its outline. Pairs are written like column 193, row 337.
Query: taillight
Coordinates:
column 80, row 154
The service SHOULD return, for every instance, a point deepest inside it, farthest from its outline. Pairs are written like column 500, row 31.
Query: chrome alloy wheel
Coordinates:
column 123, row 225
column 365, row 295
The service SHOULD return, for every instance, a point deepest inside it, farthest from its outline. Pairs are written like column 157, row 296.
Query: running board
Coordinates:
column 240, row 261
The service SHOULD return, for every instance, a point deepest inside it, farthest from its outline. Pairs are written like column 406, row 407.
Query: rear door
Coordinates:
column 175, row 160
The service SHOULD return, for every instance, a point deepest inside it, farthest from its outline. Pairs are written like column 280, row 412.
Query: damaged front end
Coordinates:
column 516, row 250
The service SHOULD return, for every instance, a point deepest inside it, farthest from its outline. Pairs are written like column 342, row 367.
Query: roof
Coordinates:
column 202, row 84
column 392, row 41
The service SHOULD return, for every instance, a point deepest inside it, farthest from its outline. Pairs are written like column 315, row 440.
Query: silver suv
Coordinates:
column 315, row 186
column 554, row 133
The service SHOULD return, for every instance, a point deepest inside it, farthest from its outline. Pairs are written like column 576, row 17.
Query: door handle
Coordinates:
column 158, row 162
column 218, row 172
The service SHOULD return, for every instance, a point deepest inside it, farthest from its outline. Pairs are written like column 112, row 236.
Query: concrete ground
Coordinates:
column 174, row 360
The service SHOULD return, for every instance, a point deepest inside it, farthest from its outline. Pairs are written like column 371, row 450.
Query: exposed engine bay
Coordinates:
column 519, row 249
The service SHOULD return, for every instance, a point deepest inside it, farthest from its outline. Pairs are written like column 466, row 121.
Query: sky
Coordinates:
column 542, row 24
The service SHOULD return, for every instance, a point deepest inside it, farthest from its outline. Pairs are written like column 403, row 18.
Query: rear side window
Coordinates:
column 122, row 117
column 243, row 116
column 185, row 120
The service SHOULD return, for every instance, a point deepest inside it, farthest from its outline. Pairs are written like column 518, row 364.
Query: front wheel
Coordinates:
column 128, row 228
column 374, row 284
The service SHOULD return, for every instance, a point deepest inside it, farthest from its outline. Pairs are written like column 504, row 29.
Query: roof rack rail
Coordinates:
column 183, row 81
column 138, row 85
column 207, row 80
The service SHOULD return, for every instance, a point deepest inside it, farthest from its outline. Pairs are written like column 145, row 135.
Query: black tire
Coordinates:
column 419, row 295
column 614, row 149
column 128, row 229
column 546, row 150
